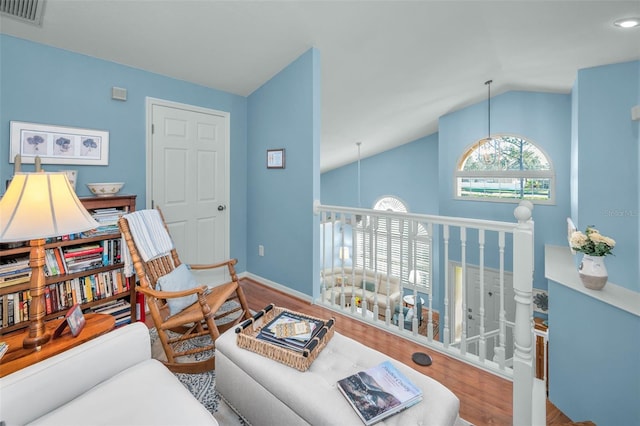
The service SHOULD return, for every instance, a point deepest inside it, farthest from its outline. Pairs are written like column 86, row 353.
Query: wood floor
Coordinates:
column 484, row 398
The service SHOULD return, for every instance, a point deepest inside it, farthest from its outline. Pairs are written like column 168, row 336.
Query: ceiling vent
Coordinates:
column 30, row 11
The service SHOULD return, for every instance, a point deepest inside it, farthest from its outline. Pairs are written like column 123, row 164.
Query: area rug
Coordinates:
column 203, row 385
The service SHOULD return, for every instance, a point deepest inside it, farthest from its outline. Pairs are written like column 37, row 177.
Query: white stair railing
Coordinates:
column 384, row 244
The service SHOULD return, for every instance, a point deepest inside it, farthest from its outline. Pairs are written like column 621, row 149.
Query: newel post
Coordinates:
column 523, row 368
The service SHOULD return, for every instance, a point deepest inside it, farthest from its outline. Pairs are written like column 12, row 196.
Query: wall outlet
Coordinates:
column 260, row 250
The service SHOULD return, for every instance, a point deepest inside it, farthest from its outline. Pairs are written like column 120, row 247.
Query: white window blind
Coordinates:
column 394, row 246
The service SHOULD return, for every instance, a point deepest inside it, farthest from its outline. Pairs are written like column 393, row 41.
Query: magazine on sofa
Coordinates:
column 379, row 392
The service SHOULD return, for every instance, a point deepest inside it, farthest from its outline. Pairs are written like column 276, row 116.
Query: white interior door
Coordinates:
column 492, row 306
column 189, row 175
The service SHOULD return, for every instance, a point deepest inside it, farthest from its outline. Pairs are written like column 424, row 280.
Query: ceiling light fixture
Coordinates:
column 627, row 22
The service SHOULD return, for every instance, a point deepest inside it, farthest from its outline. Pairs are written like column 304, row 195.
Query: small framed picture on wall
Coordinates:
column 275, row 158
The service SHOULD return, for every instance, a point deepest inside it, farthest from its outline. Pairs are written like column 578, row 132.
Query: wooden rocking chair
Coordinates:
column 190, row 311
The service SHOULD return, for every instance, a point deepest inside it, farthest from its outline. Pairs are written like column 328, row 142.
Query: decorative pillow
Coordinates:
column 179, row 279
column 369, row 286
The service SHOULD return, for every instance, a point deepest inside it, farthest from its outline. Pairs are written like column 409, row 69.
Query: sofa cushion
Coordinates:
column 369, row 285
column 80, row 369
column 179, row 279
column 153, row 396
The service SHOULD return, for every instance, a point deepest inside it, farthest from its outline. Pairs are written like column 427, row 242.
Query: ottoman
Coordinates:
column 266, row 392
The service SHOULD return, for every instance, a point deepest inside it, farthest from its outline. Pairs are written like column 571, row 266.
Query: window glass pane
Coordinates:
column 505, row 153
column 521, row 188
column 507, row 168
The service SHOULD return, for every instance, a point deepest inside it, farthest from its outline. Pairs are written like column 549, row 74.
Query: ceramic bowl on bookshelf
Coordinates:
column 105, row 189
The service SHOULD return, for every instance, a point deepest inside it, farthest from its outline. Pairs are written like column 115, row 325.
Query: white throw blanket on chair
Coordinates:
column 150, row 236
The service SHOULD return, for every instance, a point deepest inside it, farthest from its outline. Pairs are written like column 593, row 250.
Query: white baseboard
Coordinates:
column 276, row 286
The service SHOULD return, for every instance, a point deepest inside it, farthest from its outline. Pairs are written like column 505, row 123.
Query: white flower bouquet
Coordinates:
column 591, row 242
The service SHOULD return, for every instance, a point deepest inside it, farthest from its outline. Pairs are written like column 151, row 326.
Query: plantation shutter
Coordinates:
column 394, row 246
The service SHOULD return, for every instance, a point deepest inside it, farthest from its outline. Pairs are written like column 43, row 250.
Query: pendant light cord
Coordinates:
column 359, row 183
column 488, row 83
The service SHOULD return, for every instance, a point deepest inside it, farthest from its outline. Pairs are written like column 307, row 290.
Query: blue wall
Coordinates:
column 543, row 118
column 606, row 151
column 285, row 113
column 594, row 354
column 409, row 172
column 46, row 85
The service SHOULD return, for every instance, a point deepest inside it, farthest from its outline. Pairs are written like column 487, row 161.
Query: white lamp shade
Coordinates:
column 415, row 276
column 344, row 253
column 41, row 205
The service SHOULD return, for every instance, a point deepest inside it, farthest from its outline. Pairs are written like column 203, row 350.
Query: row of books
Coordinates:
column 71, row 259
column 119, row 309
column 108, row 221
column 14, row 308
column 108, row 224
column 65, row 294
column 14, row 270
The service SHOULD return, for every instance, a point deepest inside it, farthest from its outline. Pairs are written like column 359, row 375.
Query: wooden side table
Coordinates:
column 18, row 358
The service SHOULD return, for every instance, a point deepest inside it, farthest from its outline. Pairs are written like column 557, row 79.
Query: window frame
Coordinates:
column 501, row 174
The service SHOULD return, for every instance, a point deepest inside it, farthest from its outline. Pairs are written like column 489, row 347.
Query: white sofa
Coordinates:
column 348, row 281
column 110, row 380
column 266, row 392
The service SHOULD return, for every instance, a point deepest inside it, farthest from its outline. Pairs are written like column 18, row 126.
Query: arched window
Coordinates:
column 395, row 247
column 505, row 168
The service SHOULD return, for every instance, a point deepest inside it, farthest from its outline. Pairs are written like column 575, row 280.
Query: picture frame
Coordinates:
column 74, row 319
column 275, row 158
column 58, row 144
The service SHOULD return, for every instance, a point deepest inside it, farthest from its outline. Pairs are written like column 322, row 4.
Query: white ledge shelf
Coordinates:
column 559, row 266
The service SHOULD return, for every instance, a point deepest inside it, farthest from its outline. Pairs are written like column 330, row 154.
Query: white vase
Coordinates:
column 593, row 272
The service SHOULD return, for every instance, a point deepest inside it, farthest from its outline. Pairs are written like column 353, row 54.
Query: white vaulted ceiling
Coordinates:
column 389, row 68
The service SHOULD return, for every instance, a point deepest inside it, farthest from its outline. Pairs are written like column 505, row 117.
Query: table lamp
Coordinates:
column 415, row 277
column 37, row 206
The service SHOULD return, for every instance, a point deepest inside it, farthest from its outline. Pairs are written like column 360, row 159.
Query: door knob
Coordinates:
column 221, row 207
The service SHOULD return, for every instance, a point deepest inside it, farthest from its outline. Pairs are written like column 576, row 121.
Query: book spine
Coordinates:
column 17, row 308
column 10, row 320
column 53, row 294
column 62, row 267
column 50, row 262
column 95, row 250
column 88, row 294
column 5, row 310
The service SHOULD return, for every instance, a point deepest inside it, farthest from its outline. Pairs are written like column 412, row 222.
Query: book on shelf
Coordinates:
column 379, row 392
column 9, row 265
column 15, row 279
column 82, row 251
column 286, row 325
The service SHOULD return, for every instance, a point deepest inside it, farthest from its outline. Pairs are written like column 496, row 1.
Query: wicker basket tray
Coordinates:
column 249, row 329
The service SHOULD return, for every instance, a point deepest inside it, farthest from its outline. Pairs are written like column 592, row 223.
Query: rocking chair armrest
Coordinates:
column 197, row 266
column 171, row 294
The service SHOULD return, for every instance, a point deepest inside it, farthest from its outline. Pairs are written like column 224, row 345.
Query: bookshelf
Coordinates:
column 85, row 269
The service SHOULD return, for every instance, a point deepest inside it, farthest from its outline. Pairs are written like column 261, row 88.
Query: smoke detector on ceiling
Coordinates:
column 29, row 11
